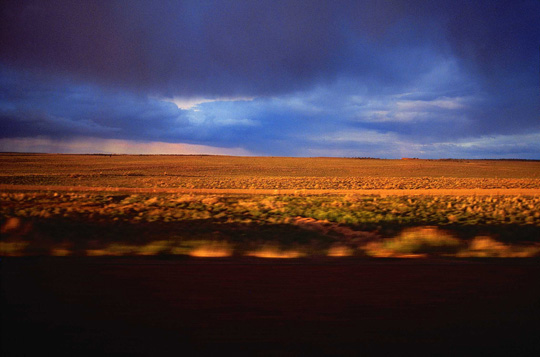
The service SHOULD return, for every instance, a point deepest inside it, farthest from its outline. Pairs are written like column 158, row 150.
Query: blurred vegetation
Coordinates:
column 220, row 225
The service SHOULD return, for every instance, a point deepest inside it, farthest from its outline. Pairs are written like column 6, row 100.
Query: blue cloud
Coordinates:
column 276, row 78
column 32, row 105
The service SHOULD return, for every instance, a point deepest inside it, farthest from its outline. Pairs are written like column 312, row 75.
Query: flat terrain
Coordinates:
column 263, row 191
column 175, row 205
column 206, row 255
column 208, row 166
column 226, row 172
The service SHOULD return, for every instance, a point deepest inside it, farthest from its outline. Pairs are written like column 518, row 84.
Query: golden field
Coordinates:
column 227, row 172
column 218, row 206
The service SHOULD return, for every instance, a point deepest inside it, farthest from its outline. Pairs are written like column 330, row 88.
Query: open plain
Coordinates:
column 153, row 255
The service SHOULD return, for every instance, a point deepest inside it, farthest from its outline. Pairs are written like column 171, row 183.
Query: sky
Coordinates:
column 387, row 79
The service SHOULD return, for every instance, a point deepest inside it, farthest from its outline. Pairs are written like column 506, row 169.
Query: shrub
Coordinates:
column 418, row 240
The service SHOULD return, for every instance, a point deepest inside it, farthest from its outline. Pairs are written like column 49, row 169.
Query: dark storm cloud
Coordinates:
column 258, row 47
column 416, row 72
column 173, row 48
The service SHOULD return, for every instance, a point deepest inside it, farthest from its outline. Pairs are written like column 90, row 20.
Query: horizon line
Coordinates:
column 269, row 156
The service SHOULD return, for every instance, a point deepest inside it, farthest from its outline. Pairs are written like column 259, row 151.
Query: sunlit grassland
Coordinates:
column 227, row 172
column 275, row 226
column 40, row 216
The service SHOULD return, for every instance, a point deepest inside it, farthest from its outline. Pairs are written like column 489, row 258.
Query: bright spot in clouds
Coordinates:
column 192, row 103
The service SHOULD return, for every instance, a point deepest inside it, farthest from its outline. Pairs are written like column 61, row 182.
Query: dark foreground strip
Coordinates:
column 135, row 306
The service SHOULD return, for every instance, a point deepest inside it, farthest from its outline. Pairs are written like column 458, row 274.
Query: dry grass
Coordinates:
column 344, row 206
column 340, row 251
column 13, row 249
column 487, row 247
column 11, row 224
column 212, row 250
column 273, row 251
column 222, row 172
column 425, row 241
column 415, row 242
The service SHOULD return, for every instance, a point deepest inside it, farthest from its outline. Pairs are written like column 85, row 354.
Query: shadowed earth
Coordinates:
column 249, row 306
